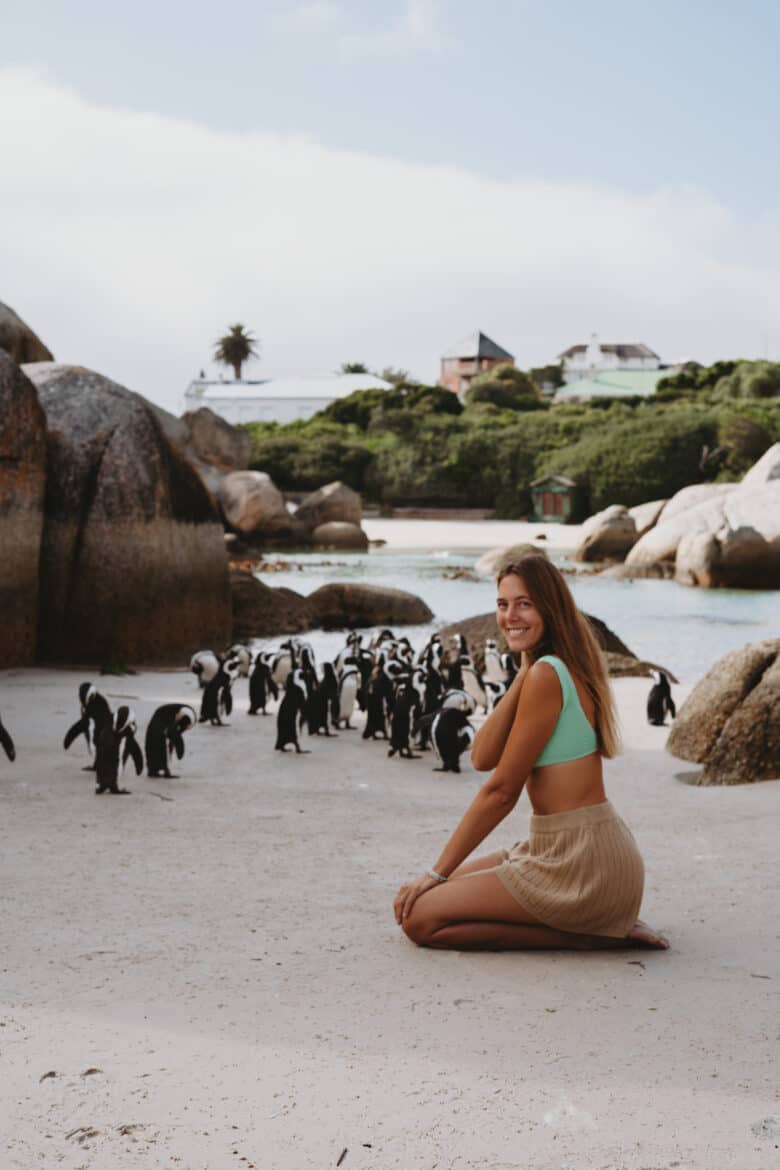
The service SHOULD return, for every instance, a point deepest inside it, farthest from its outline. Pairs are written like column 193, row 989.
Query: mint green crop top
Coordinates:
column 572, row 737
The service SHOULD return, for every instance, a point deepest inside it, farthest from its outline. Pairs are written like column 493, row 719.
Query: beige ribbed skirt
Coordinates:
column 579, row 871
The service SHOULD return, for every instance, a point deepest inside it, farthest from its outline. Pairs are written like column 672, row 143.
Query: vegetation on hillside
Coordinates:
column 420, row 445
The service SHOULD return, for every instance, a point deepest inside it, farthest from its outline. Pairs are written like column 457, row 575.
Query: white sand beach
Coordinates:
column 215, row 979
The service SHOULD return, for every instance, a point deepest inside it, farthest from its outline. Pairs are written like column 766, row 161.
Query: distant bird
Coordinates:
column 659, row 701
column 494, row 671
column 349, row 684
column 291, row 710
column 95, row 715
column 217, row 701
column 261, row 685
column 244, row 656
column 405, row 709
column 7, row 743
column 165, row 737
column 115, row 740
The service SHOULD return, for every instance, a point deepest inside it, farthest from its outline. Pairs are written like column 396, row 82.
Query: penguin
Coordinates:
column 351, row 649
column 452, row 735
column 261, row 686
column 494, row 668
column 472, row 682
column 459, row 699
column 283, row 662
column 7, row 743
column 115, row 738
column 204, row 665
column 460, row 651
column 95, row 715
column 330, row 690
column 217, row 701
column 406, row 706
column 378, row 701
column 349, row 683
column 290, row 710
column 510, row 667
column 164, row 737
column 659, row 701
column 244, row 656
column 495, row 692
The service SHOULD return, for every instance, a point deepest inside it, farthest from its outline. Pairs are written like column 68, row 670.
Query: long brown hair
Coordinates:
column 567, row 635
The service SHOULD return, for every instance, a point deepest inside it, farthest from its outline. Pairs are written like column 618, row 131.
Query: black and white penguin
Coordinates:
column 510, row 667
column 351, row 649
column 452, row 735
column 204, row 665
column 495, row 692
column 165, row 737
column 459, row 699
column 472, row 682
column 217, row 701
column 7, row 743
column 405, row 709
column 659, row 701
column 95, row 715
column 329, row 686
column 261, row 685
column 115, row 739
column 494, row 668
column 283, row 662
column 379, row 700
column 291, row 710
column 244, row 656
column 349, row 684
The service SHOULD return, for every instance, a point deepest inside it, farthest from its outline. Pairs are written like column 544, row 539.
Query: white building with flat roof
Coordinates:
column 280, row 400
column 587, row 361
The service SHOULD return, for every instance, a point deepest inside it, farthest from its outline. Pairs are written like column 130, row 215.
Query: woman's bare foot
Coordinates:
column 643, row 935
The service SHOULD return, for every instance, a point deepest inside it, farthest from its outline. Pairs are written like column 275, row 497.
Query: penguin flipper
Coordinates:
column 7, row 743
column 273, row 688
column 177, row 742
column 228, row 700
column 81, row 727
column 133, row 751
column 672, row 708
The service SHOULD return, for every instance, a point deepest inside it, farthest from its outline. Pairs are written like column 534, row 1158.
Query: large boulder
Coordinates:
column 215, row 441
column 660, row 543
column 645, row 516
column 260, row 611
column 22, row 487
column 607, row 535
column 338, row 534
column 352, row 606
column 333, row 502
column 729, row 722
column 494, row 560
column 253, row 506
column 18, row 339
column 133, row 563
column 766, row 469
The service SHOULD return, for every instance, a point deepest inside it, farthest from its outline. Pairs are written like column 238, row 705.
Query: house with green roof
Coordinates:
column 612, row 384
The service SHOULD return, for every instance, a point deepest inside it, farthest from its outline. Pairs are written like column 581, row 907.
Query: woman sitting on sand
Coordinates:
column 577, row 882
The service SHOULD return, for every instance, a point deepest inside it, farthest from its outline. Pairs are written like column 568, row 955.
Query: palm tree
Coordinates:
column 235, row 348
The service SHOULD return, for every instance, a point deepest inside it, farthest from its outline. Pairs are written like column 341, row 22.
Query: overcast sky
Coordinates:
column 364, row 181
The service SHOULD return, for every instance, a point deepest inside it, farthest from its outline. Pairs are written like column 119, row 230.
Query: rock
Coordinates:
column 766, row 469
column 338, row 534
column 260, row 611
column 213, row 440
column 607, row 535
column 476, row 629
column 352, row 606
column 660, row 543
column 645, row 516
column 744, row 552
column 18, row 339
column 656, row 570
column 22, row 488
column 729, row 721
column 252, row 504
column 333, row 502
column 691, row 497
column 494, row 560
column 133, row 562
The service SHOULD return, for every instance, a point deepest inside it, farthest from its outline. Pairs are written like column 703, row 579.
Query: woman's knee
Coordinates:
column 418, row 927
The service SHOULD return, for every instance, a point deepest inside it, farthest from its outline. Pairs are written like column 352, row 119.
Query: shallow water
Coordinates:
column 684, row 629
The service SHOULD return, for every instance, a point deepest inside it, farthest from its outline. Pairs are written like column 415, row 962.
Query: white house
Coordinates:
column 279, row 400
column 586, row 361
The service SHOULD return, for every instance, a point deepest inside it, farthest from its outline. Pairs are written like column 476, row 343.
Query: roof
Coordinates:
column 327, row 386
column 612, row 384
column 623, row 350
column 478, row 345
column 563, row 480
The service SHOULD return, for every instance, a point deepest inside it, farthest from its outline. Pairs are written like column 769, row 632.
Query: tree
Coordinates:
column 353, row 368
column 236, row 347
column 506, row 387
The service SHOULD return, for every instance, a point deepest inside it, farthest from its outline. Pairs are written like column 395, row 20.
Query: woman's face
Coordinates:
column 517, row 616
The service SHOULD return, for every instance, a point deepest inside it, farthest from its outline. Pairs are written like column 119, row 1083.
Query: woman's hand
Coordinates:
column 409, row 893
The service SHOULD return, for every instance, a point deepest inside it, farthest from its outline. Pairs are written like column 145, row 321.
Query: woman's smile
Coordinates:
column 517, row 615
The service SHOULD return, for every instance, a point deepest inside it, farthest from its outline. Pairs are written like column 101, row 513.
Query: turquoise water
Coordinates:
column 684, row 629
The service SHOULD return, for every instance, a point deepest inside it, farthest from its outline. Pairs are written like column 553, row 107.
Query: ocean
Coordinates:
column 681, row 628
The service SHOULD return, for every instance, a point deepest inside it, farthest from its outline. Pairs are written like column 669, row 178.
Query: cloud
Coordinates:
column 130, row 241
column 416, row 30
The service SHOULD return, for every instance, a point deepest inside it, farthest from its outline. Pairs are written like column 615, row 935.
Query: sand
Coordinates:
column 216, row 979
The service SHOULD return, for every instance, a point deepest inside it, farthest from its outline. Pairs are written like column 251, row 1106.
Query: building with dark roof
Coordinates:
column 467, row 358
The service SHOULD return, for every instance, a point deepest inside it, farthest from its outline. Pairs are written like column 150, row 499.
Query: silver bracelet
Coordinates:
column 436, row 876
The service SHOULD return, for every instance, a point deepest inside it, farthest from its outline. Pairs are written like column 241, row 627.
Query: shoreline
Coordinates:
column 226, row 959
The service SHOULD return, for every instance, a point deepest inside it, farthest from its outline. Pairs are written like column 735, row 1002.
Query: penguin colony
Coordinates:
column 412, row 700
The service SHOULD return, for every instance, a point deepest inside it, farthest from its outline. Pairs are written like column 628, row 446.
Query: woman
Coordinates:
column 577, row 883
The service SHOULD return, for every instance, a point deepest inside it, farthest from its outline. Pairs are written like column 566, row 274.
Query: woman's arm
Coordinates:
column 536, row 714
column 490, row 740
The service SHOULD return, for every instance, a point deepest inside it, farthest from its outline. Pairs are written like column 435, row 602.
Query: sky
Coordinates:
column 364, row 181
